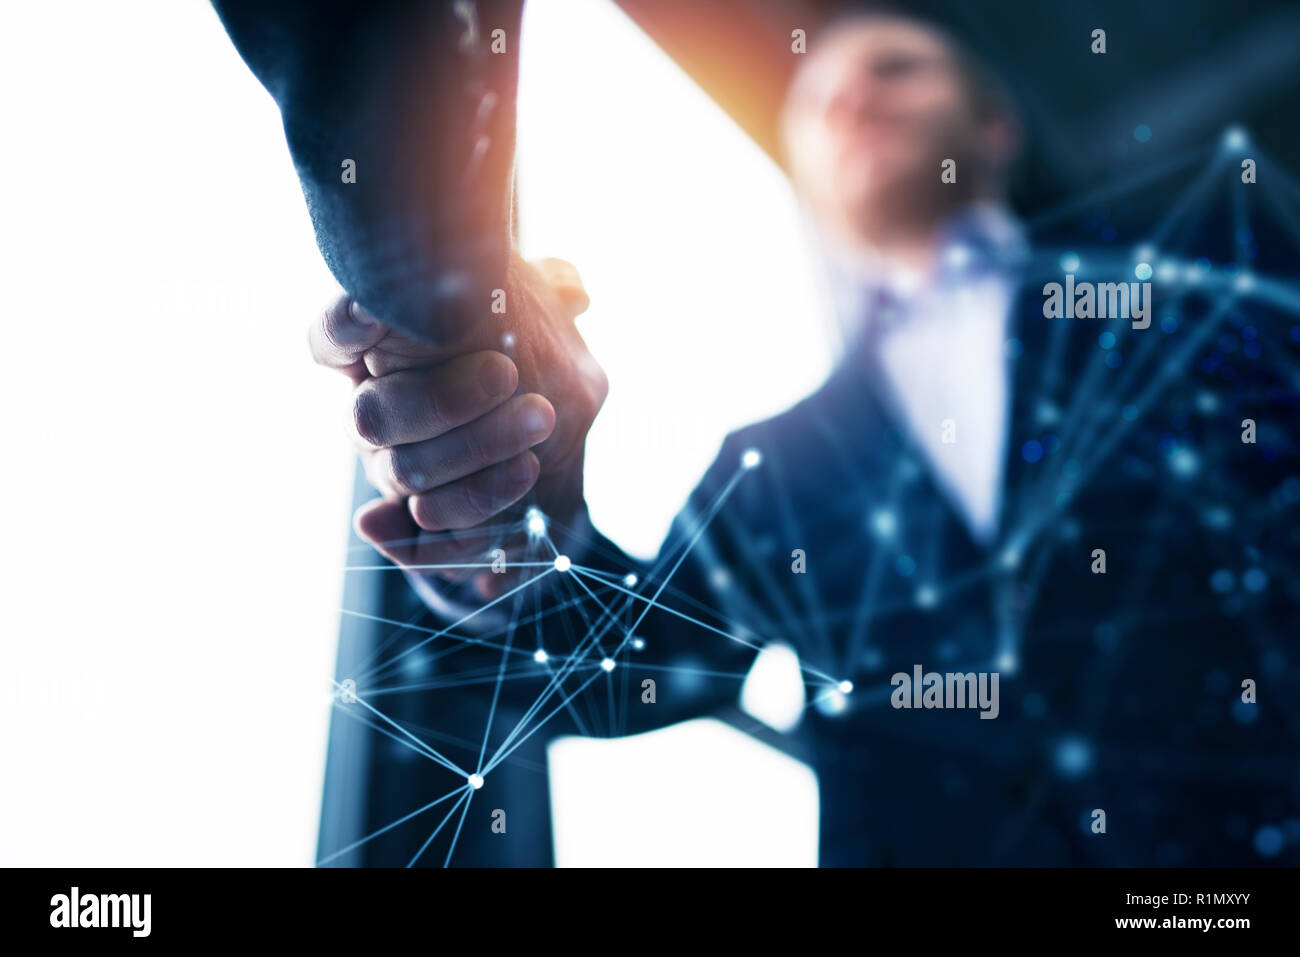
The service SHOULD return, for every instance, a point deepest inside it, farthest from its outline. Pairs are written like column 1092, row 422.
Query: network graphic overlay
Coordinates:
column 1218, row 256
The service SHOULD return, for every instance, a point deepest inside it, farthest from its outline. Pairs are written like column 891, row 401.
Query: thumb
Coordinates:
column 342, row 335
column 563, row 278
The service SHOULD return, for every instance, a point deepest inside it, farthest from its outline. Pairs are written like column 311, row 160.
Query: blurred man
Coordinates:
column 974, row 494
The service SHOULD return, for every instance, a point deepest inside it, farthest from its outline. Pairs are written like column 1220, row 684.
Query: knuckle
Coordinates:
column 592, row 396
column 475, row 447
column 476, row 503
column 435, row 405
column 404, row 471
column 328, row 325
column 368, row 416
column 425, row 511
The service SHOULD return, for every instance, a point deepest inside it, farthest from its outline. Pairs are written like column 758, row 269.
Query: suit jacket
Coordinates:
column 1120, row 691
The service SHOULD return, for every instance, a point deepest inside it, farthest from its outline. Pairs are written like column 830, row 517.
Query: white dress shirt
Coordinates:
column 942, row 349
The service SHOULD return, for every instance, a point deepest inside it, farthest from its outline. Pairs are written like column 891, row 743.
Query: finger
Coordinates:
column 497, row 437
column 419, row 404
column 476, row 498
column 389, row 527
column 342, row 334
column 564, row 279
column 490, row 586
column 452, row 556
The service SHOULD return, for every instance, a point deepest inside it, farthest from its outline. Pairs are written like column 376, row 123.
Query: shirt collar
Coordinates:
column 979, row 241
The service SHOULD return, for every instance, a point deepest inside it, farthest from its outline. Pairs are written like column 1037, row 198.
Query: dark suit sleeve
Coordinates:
column 415, row 96
column 696, row 646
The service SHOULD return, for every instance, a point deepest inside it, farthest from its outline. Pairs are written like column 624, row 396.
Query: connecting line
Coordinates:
column 871, row 584
column 442, row 631
column 461, row 680
column 501, row 756
column 432, row 632
column 375, row 726
column 1083, row 420
column 1198, row 189
column 704, row 672
column 482, row 642
column 714, row 508
column 389, row 827
column 572, row 631
column 556, row 683
column 651, row 603
column 1281, row 209
column 456, row 836
column 496, row 691
column 392, row 637
column 583, row 612
column 380, row 729
column 447, row 817
column 540, row 642
column 1240, row 216
column 1277, row 171
column 427, row 750
column 427, row 568
column 713, row 511
column 1045, row 511
column 1116, row 189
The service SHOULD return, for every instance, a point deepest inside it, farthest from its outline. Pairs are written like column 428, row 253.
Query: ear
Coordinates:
column 563, row 278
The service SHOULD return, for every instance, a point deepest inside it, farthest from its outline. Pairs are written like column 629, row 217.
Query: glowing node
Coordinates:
column 1244, row 283
column 1234, row 138
column 926, row 596
column 1143, row 271
column 1073, row 756
column 1146, row 252
column 1069, row 262
column 833, row 702
column 508, row 340
column 540, row 656
column 751, row 458
column 1011, row 557
column 535, row 521
column 562, row 563
column 1184, row 462
column 630, row 580
column 476, row 781
column 884, row 522
column 638, row 643
column 607, row 665
column 1008, row 662
column 845, row 687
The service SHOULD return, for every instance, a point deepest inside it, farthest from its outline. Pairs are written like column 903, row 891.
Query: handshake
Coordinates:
column 454, row 435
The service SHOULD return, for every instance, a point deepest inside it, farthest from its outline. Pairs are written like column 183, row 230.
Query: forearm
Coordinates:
column 411, row 98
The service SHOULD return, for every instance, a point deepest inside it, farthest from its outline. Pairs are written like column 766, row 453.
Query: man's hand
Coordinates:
column 453, row 437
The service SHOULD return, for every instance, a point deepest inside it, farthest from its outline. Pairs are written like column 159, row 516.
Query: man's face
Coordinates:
column 872, row 115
